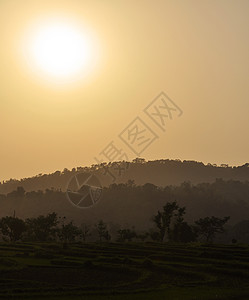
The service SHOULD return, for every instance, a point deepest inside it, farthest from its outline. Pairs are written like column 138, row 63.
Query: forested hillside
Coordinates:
column 130, row 204
column 159, row 172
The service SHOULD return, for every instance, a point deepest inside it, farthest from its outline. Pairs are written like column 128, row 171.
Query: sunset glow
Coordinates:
column 60, row 50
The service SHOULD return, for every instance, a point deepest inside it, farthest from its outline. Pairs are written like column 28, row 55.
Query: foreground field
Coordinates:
column 123, row 271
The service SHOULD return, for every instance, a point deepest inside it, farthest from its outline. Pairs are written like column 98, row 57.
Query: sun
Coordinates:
column 60, row 50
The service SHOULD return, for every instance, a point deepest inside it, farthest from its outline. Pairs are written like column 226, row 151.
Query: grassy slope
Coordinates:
column 123, row 271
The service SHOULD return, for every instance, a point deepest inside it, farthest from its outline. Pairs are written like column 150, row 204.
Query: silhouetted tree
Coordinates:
column 163, row 218
column 68, row 232
column 208, row 227
column 12, row 228
column 102, row 231
column 42, row 228
column 181, row 231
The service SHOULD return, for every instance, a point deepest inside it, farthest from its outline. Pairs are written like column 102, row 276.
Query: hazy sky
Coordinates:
column 196, row 51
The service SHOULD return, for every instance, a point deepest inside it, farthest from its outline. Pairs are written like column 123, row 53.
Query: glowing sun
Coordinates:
column 60, row 50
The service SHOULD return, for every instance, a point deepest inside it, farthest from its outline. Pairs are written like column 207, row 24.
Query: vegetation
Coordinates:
column 169, row 221
column 159, row 172
column 127, row 204
column 12, row 228
column 173, row 255
column 163, row 219
column 123, row 271
column 208, row 227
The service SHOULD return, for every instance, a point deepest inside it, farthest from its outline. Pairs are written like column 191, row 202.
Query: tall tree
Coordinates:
column 163, row 218
column 208, row 227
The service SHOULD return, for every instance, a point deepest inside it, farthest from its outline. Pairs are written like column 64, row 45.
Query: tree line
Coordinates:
column 169, row 225
column 159, row 172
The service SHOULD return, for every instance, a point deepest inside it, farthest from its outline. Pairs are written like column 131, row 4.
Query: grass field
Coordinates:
column 123, row 271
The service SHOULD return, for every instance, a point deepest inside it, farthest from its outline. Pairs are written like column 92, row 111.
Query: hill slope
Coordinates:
column 159, row 172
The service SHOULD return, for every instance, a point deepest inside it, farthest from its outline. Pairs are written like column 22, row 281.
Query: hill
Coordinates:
column 158, row 172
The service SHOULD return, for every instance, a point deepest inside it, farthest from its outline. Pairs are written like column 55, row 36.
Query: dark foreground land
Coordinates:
column 123, row 271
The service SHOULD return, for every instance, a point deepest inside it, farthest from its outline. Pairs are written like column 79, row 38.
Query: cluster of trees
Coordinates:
column 131, row 204
column 47, row 228
column 169, row 225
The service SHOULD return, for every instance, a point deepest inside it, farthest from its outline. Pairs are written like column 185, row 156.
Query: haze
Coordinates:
column 195, row 51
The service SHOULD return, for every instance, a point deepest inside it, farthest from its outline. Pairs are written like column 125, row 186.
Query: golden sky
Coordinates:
column 195, row 51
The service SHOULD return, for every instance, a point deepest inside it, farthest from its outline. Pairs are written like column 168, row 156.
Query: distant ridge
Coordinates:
column 159, row 172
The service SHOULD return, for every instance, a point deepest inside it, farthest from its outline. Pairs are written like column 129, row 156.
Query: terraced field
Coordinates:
column 123, row 271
